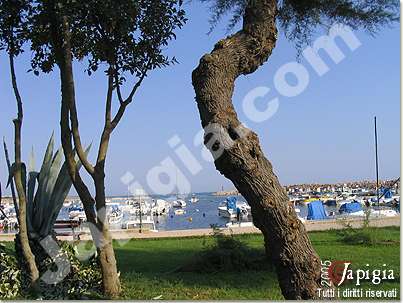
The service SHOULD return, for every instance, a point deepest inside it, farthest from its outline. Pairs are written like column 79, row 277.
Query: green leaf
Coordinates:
column 31, row 161
column 60, row 191
column 32, row 179
column 11, row 174
column 48, row 200
column 43, row 177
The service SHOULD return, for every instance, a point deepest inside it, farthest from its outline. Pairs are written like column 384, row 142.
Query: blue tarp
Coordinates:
column 75, row 208
column 387, row 193
column 231, row 203
column 316, row 211
column 352, row 207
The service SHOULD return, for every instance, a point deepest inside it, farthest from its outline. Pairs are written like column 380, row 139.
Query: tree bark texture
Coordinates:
column 242, row 160
column 28, row 256
column 100, row 233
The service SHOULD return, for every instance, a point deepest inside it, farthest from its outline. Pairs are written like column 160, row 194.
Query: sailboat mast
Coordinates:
column 176, row 180
column 376, row 162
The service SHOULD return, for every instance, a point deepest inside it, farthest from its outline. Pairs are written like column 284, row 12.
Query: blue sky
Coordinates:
column 323, row 135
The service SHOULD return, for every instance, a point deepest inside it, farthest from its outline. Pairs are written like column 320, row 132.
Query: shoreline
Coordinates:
column 309, row 225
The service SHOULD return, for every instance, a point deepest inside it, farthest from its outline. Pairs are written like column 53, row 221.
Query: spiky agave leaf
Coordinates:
column 31, row 161
column 31, row 185
column 13, row 169
column 58, row 195
column 46, row 202
column 12, row 183
column 42, row 181
column 11, row 172
column 32, row 180
column 54, row 172
column 45, row 205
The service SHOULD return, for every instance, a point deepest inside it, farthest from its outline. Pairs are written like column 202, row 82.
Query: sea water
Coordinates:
column 202, row 214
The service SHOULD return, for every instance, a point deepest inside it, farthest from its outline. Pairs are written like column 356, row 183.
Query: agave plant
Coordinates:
column 45, row 190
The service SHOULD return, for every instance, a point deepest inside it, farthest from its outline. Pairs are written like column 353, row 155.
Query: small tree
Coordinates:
column 12, row 30
column 242, row 159
column 126, row 37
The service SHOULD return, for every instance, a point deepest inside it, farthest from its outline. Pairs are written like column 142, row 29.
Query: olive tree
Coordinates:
column 124, row 38
column 241, row 158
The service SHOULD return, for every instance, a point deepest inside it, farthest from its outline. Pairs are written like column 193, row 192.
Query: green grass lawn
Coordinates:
column 147, row 267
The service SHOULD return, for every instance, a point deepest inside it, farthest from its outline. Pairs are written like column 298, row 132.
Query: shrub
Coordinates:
column 10, row 275
column 84, row 280
column 359, row 236
column 226, row 254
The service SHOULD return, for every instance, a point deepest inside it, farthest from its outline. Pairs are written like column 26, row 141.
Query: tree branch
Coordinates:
column 71, row 101
column 79, row 185
column 13, row 193
column 15, row 88
column 109, row 97
column 67, row 87
column 18, row 179
column 118, row 92
column 129, row 99
column 104, row 142
column 137, row 85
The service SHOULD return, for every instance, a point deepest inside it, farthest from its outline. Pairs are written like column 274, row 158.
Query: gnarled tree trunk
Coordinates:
column 99, row 231
column 110, row 276
column 22, row 238
column 242, row 161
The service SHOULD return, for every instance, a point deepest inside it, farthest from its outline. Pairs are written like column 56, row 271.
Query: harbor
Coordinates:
column 319, row 207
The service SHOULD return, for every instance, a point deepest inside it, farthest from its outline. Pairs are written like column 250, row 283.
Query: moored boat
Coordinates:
column 115, row 215
column 193, row 199
column 231, row 207
column 179, row 212
column 316, row 211
column 143, row 223
column 179, row 203
column 352, row 209
column 76, row 213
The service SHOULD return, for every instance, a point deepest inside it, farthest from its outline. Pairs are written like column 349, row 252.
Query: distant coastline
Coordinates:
column 369, row 184
column 226, row 193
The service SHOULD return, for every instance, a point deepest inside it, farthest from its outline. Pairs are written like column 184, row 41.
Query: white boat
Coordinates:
column 179, row 212
column 145, row 223
column 230, row 207
column 141, row 205
column 160, row 207
column 134, row 211
column 115, row 215
column 394, row 200
column 193, row 199
column 9, row 223
column 359, row 213
column 383, row 212
column 298, row 211
column 76, row 213
column 125, row 207
column 179, row 203
column 240, row 224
